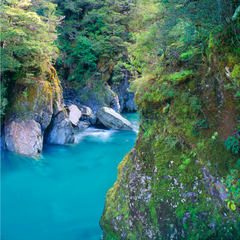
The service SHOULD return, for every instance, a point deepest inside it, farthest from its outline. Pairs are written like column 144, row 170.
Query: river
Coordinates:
column 61, row 197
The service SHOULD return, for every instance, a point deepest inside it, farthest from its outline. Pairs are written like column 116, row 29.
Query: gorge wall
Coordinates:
column 181, row 178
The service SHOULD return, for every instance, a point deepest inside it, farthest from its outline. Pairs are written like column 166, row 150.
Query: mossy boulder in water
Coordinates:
column 111, row 119
column 35, row 102
column 29, row 115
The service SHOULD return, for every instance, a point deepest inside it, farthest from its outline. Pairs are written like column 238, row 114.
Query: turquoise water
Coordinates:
column 62, row 196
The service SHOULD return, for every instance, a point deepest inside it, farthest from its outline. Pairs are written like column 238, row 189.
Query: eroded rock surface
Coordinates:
column 24, row 137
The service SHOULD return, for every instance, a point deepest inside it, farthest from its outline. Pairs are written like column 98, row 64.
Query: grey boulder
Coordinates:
column 60, row 130
column 74, row 114
column 111, row 119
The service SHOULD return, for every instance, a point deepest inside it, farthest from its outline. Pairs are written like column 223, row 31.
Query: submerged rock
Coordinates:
column 24, row 137
column 111, row 119
column 60, row 130
column 74, row 114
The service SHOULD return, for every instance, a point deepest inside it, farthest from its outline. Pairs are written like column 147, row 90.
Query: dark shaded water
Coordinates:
column 62, row 196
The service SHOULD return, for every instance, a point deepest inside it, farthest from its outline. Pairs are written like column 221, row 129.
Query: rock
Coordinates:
column 74, row 114
column 126, row 98
column 96, row 98
column 93, row 118
column 35, row 104
column 24, row 137
column 60, row 130
column 28, row 116
column 83, row 125
column 86, row 112
column 111, row 119
column 2, row 142
column 130, row 105
column 115, row 105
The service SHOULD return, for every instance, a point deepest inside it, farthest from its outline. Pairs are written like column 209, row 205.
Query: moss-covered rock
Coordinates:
column 99, row 96
column 172, row 184
column 35, row 101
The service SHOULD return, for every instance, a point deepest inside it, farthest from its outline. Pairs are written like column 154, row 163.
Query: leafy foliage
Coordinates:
column 27, row 38
column 232, row 143
column 92, row 38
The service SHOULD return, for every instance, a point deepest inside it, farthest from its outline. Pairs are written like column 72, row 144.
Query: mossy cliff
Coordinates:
column 181, row 179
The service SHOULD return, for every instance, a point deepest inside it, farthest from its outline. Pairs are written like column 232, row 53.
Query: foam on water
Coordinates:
column 94, row 135
column 61, row 197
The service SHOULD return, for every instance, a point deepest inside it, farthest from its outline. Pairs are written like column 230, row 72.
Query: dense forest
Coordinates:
column 181, row 59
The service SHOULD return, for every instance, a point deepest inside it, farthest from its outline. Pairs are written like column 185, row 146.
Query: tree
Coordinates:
column 94, row 32
column 27, row 38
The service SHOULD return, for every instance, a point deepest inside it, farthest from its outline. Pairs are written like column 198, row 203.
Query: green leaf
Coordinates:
column 233, row 206
column 187, row 161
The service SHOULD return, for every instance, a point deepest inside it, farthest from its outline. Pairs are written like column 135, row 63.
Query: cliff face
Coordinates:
column 172, row 184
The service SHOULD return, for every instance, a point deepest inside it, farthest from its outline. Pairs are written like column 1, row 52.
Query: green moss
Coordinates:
column 179, row 77
column 37, row 95
column 236, row 74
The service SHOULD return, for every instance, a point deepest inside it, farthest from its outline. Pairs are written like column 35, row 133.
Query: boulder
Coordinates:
column 74, row 114
column 60, row 131
column 86, row 112
column 34, row 105
column 93, row 118
column 24, row 137
column 28, row 116
column 111, row 119
column 83, row 125
column 96, row 98
column 115, row 105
